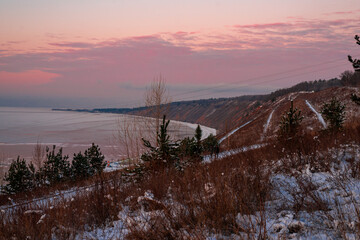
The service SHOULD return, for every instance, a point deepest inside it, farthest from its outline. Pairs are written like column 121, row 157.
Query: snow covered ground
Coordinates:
column 231, row 152
column 268, row 122
column 332, row 202
column 206, row 131
column 314, row 201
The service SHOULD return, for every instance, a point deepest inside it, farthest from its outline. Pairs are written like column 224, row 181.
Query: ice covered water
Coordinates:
column 22, row 128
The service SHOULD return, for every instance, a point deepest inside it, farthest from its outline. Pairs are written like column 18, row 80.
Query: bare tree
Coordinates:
column 128, row 136
column 130, row 129
column 38, row 154
column 157, row 100
column 3, row 167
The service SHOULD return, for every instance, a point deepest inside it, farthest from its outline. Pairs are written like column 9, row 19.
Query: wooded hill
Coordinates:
column 225, row 113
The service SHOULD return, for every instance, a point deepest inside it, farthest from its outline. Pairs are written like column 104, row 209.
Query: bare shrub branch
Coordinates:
column 39, row 155
column 157, row 100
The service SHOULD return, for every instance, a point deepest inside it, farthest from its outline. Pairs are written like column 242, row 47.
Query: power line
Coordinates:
column 254, row 84
column 249, row 80
column 261, row 77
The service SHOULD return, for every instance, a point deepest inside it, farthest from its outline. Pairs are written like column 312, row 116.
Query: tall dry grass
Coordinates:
column 3, row 167
column 222, row 198
column 128, row 137
column 203, row 196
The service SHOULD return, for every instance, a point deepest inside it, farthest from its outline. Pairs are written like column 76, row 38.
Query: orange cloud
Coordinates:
column 31, row 77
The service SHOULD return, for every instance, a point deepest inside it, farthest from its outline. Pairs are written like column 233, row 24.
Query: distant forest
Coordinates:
column 347, row 78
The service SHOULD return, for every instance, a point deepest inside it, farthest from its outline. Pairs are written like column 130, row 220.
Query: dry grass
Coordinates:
column 70, row 216
column 223, row 197
column 128, row 137
column 205, row 195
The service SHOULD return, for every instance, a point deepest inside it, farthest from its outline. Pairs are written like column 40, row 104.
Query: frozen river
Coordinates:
column 22, row 128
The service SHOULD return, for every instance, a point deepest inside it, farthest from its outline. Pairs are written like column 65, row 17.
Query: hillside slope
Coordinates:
column 264, row 123
column 220, row 114
column 224, row 114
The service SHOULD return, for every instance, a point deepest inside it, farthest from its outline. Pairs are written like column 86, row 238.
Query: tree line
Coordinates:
column 57, row 168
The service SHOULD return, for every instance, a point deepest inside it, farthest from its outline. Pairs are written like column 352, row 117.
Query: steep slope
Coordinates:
column 264, row 123
column 224, row 114
column 221, row 114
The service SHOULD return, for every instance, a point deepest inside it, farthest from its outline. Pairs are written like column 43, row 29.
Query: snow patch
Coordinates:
column 210, row 158
column 214, row 110
column 206, row 131
column 268, row 121
column 233, row 131
column 317, row 114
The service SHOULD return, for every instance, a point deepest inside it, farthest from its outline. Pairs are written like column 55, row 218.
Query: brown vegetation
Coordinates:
column 222, row 198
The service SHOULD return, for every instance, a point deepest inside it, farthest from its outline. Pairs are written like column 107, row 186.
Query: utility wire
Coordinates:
column 261, row 77
column 253, row 84
column 246, row 80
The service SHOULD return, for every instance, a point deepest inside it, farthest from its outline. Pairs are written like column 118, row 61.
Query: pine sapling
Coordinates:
column 290, row 122
column 334, row 114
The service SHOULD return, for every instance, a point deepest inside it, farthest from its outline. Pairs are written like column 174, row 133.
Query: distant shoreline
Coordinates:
column 99, row 110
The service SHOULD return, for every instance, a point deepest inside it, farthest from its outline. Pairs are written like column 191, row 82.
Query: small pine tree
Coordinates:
column 334, row 114
column 163, row 140
column 20, row 177
column 198, row 135
column 166, row 151
column 190, row 149
column 56, row 167
column 290, row 122
column 186, row 147
column 80, row 167
column 95, row 158
column 211, row 145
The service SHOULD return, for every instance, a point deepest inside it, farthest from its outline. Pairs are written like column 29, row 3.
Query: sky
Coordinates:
column 91, row 53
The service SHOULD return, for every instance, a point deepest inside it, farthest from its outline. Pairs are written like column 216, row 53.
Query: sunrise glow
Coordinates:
column 110, row 50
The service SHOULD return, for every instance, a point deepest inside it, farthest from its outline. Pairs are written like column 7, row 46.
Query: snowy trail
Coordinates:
column 266, row 126
column 228, row 153
column 317, row 114
column 268, row 121
column 233, row 131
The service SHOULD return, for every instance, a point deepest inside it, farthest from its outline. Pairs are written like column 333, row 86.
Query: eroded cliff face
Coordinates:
column 227, row 114
column 221, row 114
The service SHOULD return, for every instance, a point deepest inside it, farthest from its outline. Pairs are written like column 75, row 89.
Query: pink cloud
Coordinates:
column 342, row 13
column 31, row 77
column 266, row 25
column 121, row 68
column 299, row 33
column 144, row 37
column 72, row 44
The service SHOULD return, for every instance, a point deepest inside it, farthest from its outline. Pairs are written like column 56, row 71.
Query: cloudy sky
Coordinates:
column 91, row 53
